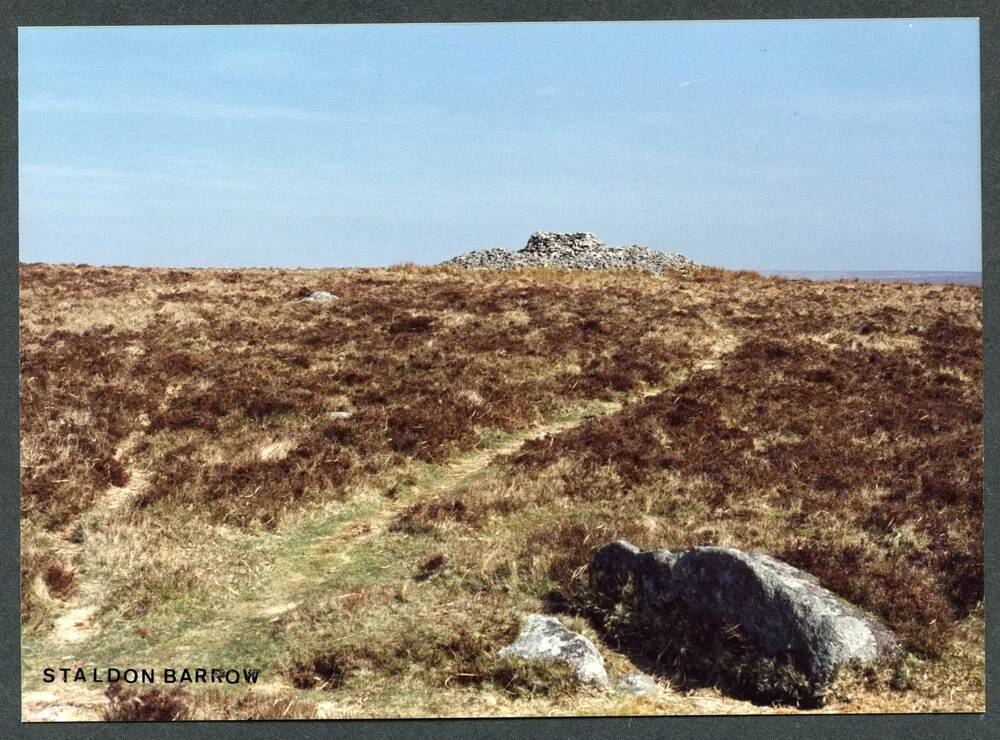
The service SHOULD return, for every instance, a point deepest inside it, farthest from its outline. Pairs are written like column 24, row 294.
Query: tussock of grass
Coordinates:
column 382, row 635
column 168, row 562
column 45, row 578
column 147, row 705
column 177, row 704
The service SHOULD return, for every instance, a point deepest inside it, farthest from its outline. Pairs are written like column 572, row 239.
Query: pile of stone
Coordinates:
column 581, row 251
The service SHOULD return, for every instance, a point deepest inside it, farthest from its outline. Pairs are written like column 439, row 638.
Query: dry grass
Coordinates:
column 159, row 705
column 834, row 425
column 213, row 365
column 860, row 466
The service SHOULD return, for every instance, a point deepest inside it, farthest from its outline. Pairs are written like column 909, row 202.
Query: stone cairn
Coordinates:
column 580, row 251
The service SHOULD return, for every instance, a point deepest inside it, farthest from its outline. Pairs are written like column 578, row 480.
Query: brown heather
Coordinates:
column 837, row 426
column 887, row 443
column 203, row 364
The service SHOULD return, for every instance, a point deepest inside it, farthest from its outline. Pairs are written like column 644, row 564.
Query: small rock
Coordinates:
column 636, row 683
column 319, row 296
column 339, row 414
column 544, row 638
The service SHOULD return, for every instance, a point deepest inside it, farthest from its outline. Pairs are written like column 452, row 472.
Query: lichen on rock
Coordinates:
column 781, row 609
column 544, row 638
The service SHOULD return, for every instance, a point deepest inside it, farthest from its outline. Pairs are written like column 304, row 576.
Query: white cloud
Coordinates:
column 186, row 108
column 149, row 177
column 203, row 109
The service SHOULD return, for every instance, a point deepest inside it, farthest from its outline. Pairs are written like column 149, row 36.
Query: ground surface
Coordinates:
column 188, row 501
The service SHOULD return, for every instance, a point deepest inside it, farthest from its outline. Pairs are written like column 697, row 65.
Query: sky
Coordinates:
column 785, row 145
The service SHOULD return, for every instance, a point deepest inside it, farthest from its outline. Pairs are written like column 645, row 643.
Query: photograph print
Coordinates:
column 500, row 370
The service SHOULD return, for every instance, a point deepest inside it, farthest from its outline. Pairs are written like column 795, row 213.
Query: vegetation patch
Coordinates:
column 181, row 473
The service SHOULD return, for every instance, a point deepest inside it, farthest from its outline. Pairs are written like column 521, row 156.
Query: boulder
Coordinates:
column 618, row 564
column 781, row 609
column 544, row 638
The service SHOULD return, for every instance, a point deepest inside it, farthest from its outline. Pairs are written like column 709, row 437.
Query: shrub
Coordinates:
column 146, row 705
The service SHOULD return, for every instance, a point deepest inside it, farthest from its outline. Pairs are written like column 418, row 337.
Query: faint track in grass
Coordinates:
column 335, row 548
column 76, row 624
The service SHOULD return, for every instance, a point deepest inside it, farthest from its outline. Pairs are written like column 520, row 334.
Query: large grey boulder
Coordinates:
column 545, row 638
column 781, row 609
column 621, row 563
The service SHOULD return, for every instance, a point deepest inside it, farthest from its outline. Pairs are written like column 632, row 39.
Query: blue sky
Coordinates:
column 811, row 145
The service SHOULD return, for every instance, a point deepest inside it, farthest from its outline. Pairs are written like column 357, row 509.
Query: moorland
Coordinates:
column 360, row 496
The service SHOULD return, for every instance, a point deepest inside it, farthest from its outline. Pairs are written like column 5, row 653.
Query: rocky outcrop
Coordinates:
column 545, row 638
column 580, row 251
column 782, row 610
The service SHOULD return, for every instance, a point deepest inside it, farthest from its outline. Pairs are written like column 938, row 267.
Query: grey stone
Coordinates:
column 618, row 564
column 783, row 610
column 544, row 638
column 580, row 251
column 636, row 683
column 319, row 296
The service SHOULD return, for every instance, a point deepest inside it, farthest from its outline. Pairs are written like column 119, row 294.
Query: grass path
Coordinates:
column 343, row 552
column 77, row 623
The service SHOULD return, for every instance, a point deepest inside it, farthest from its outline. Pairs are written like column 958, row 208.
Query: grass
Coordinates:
column 181, row 475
